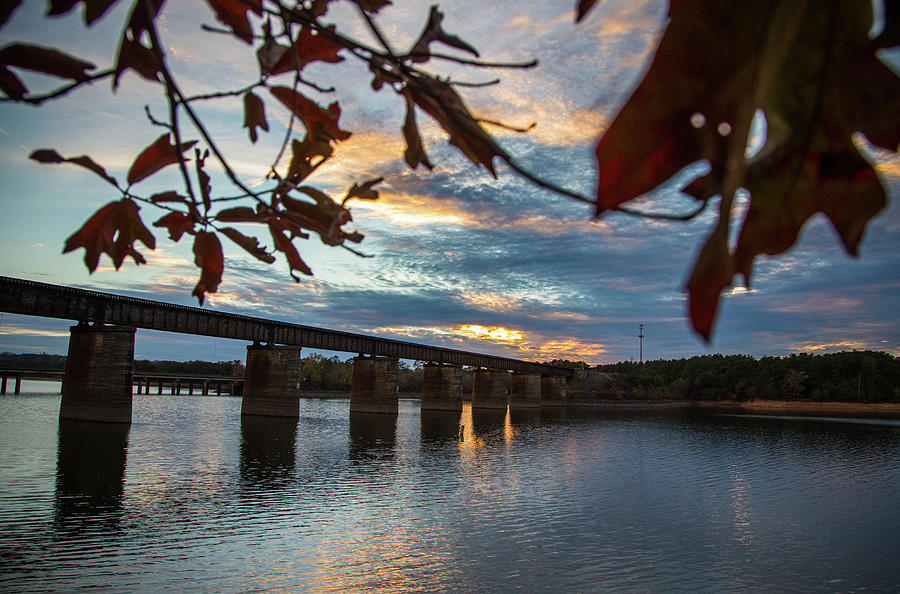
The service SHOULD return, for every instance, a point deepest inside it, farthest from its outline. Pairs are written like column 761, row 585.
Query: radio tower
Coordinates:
column 641, row 337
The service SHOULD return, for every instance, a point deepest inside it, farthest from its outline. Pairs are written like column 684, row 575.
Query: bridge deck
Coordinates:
column 41, row 299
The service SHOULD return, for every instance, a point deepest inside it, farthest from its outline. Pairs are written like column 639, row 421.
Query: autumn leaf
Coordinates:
column 284, row 245
column 717, row 64
column 203, row 178
column 177, row 223
column 432, row 32
column 414, row 154
column 321, row 123
column 112, row 230
column 583, row 7
column 93, row 9
column 363, row 191
column 310, row 46
column 239, row 214
column 254, row 115
column 440, row 101
column 372, row 5
column 302, row 155
column 132, row 53
column 208, row 257
column 51, row 156
column 37, row 59
column 156, row 156
column 7, row 9
column 233, row 13
column 250, row 244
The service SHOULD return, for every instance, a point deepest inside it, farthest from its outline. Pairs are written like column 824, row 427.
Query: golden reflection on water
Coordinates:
column 740, row 502
column 469, row 441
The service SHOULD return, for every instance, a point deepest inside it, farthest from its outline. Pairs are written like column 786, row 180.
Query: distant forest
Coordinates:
column 849, row 376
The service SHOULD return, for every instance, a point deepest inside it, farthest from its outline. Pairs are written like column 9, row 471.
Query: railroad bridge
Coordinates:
column 98, row 381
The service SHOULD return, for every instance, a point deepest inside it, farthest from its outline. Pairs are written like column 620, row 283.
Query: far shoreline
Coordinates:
column 876, row 410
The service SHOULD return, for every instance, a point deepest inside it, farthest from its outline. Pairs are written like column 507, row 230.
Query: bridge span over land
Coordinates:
column 101, row 351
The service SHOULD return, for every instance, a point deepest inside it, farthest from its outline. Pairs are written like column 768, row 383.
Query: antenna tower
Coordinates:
column 641, row 337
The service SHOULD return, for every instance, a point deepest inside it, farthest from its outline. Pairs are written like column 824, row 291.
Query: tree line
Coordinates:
column 849, row 376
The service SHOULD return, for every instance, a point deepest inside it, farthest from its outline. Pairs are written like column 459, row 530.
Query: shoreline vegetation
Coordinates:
column 845, row 384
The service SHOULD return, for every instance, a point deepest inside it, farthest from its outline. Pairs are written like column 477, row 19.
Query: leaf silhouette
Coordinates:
column 112, row 230
column 302, row 155
column 208, row 257
column 309, row 47
column 250, row 244
column 132, row 53
column 254, row 115
column 156, row 156
column 363, row 191
column 321, row 124
column 7, row 9
column 51, row 156
column 718, row 62
column 93, row 9
column 440, row 101
column 284, row 244
column 434, row 32
column 233, row 13
column 583, row 7
column 177, row 223
column 415, row 151
column 45, row 60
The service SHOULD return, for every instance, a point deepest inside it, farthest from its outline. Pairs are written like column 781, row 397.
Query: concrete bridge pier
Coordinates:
column 271, row 381
column 553, row 390
column 524, row 390
column 442, row 387
column 374, row 385
column 97, row 385
column 489, row 389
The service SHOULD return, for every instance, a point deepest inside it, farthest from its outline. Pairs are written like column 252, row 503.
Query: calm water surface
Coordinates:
column 193, row 497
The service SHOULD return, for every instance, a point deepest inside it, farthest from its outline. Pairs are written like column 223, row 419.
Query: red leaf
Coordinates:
column 46, row 60
column 434, row 32
column 112, row 230
column 584, row 6
column 156, row 156
column 7, row 9
column 712, row 273
column 442, row 103
column 177, row 223
column 139, row 58
column 233, row 13
column 254, row 115
column 283, row 244
column 93, row 9
column 250, row 244
column 203, row 178
column 239, row 214
column 320, row 123
column 208, row 257
column 309, row 47
column 415, row 151
column 302, row 155
column 11, row 85
column 51, row 156
column 363, row 192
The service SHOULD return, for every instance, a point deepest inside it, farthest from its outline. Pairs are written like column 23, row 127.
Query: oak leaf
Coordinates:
column 177, row 223
column 303, row 154
column 309, row 46
column 254, row 115
column 233, row 13
column 812, row 70
column 156, row 156
column 440, row 101
column 432, row 32
column 112, row 230
column 51, row 156
column 209, row 258
column 363, row 191
column 250, row 244
column 414, row 154
column 321, row 123
column 284, row 244
column 93, row 9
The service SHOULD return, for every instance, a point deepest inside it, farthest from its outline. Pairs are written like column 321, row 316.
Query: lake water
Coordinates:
column 193, row 497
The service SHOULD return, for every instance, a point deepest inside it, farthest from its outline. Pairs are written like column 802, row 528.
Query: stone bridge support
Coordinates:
column 99, row 367
column 524, row 390
column 442, row 387
column 374, row 387
column 271, row 381
column 553, row 390
column 489, row 389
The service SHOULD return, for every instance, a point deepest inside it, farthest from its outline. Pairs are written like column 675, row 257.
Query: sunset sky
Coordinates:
column 458, row 258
